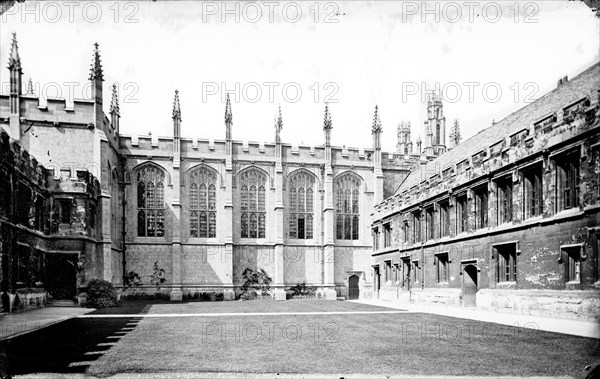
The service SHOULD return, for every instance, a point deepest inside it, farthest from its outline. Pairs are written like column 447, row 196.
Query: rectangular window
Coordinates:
column 406, row 230
column 567, row 181
column 444, row 218
column 387, row 235
column 571, row 257
column 462, row 215
column 504, row 198
column 64, row 210
column 417, row 226
column 375, row 234
column 442, row 267
column 481, row 207
column 507, row 262
column 388, row 270
column 429, row 214
column 532, row 194
column 405, row 272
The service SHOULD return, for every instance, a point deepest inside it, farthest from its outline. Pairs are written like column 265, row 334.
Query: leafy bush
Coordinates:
column 158, row 276
column 101, row 294
column 303, row 289
column 132, row 279
column 205, row 296
column 255, row 282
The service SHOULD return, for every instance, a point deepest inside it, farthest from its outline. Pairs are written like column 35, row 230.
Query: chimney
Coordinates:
column 562, row 81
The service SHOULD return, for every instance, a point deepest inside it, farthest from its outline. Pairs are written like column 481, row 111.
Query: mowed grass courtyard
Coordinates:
column 294, row 337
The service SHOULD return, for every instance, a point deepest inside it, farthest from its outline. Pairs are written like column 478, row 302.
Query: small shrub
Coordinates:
column 158, row 276
column 100, row 294
column 302, row 289
column 132, row 279
column 220, row 296
column 258, row 282
column 248, row 295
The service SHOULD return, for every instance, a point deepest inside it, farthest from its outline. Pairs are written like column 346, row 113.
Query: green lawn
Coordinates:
column 404, row 343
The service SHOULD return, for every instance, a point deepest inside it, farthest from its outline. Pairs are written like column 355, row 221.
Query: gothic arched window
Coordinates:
column 203, row 204
column 151, row 202
column 347, row 208
column 301, row 187
column 252, row 193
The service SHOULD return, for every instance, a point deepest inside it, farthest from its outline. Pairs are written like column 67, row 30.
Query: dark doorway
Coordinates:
column 469, row 285
column 61, row 276
column 353, row 291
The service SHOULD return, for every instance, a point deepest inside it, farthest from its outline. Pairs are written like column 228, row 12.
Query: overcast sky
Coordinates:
column 377, row 53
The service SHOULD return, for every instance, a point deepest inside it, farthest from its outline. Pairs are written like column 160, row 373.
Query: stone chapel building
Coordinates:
column 508, row 217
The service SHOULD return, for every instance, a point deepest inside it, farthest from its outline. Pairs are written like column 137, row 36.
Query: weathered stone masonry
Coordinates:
column 531, row 184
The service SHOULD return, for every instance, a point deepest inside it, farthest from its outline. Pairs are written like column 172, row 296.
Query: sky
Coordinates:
column 489, row 59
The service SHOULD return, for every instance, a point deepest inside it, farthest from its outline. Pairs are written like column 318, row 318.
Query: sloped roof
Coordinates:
column 585, row 84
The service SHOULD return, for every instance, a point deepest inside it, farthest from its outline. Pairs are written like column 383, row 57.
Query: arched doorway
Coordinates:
column 469, row 285
column 353, row 290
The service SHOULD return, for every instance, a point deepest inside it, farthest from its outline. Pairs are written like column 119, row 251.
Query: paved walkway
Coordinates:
column 15, row 324
column 589, row 329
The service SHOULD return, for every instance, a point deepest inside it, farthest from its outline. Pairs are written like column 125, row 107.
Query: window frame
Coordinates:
column 153, row 201
column 444, row 218
column 462, row 213
column 504, row 200
column 430, row 223
column 347, row 211
column 481, row 195
column 387, row 234
column 567, row 179
column 442, row 261
column 202, row 203
column 417, row 227
column 506, row 255
column 253, row 195
column 301, row 209
column 533, row 183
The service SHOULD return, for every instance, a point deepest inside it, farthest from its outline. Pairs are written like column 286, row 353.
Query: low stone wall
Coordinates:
column 438, row 296
column 579, row 305
column 426, row 296
column 21, row 302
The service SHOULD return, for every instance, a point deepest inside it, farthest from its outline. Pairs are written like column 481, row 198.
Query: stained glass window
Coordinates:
column 151, row 202
column 253, row 197
column 203, row 209
column 347, row 208
column 301, row 210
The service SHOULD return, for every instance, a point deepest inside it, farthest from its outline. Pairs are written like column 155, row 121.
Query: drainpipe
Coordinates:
column 123, row 225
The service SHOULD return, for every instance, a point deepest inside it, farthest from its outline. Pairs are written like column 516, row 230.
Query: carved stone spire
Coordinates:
column 29, row 87
column 14, row 61
column 96, row 68
column 279, row 124
column 114, row 103
column 376, row 122
column 455, row 134
column 327, row 123
column 228, row 112
column 176, row 107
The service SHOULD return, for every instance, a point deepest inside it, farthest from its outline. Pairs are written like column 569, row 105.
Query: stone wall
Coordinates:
column 580, row 305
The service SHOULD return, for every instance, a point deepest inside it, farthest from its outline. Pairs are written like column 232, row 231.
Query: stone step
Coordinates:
column 63, row 303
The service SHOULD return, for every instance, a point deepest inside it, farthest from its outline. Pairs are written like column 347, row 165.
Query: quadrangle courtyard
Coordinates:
column 291, row 337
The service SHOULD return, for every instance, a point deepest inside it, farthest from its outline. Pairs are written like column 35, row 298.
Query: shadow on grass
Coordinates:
column 70, row 346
